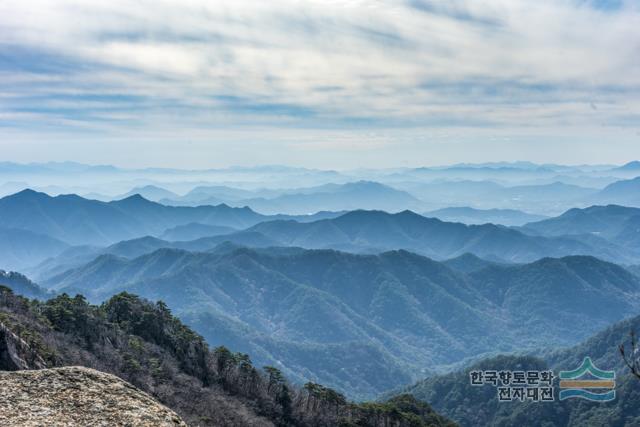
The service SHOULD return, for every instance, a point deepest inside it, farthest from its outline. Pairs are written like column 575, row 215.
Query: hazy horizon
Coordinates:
column 494, row 163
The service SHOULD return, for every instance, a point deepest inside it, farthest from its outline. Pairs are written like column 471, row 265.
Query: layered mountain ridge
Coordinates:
column 297, row 307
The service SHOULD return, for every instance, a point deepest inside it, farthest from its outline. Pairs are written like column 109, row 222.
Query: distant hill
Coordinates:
column 632, row 166
column 149, row 192
column 355, row 195
column 144, row 344
column 605, row 221
column 20, row 284
column 467, row 215
column 453, row 396
column 469, row 263
column 210, row 195
column 80, row 255
column 451, row 191
column 625, row 192
column 303, row 201
column 362, row 231
column 144, row 245
column 22, row 248
column 486, row 194
column 618, row 225
column 193, row 231
column 556, row 191
column 322, row 313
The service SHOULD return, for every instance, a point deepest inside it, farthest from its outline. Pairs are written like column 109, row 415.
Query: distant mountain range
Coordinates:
column 467, row 215
column 371, row 231
column 356, row 195
column 195, row 230
column 215, row 194
column 483, row 195
column 80, row 221
column 544, row 198
column 396, row 196
column 37, row 227
column 329, row 197
column 320, row 314
column 543, row 189
column 625, row 192
column 79, row 255
column 617, row 225
column 359, row 232
column 53, row 167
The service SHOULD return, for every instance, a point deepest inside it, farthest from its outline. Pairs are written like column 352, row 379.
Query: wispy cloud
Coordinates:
column 118, row 67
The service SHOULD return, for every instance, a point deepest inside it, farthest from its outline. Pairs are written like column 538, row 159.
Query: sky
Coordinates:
column 327, row 84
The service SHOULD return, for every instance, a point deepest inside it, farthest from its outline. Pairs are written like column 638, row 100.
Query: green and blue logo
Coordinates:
column 588, row 382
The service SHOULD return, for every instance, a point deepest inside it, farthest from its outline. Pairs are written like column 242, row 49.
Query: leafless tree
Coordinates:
column 631, row 356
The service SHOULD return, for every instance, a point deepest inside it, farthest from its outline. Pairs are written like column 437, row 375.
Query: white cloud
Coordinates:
column 196, row 64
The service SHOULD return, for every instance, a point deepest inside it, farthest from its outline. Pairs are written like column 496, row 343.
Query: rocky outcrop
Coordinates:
column 16, row 354
column 77, row 396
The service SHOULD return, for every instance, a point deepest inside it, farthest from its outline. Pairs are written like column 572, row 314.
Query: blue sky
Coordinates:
column 333, row 84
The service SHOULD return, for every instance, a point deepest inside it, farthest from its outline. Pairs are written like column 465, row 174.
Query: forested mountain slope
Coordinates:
column 453, row 396
column 323, row 313
column 142, row 343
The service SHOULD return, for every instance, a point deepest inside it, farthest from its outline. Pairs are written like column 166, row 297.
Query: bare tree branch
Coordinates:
column 632, row 359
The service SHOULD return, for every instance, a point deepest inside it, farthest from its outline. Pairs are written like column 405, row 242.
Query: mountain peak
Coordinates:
column 409, row 213
column 136, row 196
column 149, row 187
column 149, row 192
column 633, row 165
column 28, row 193
column 134, row 199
